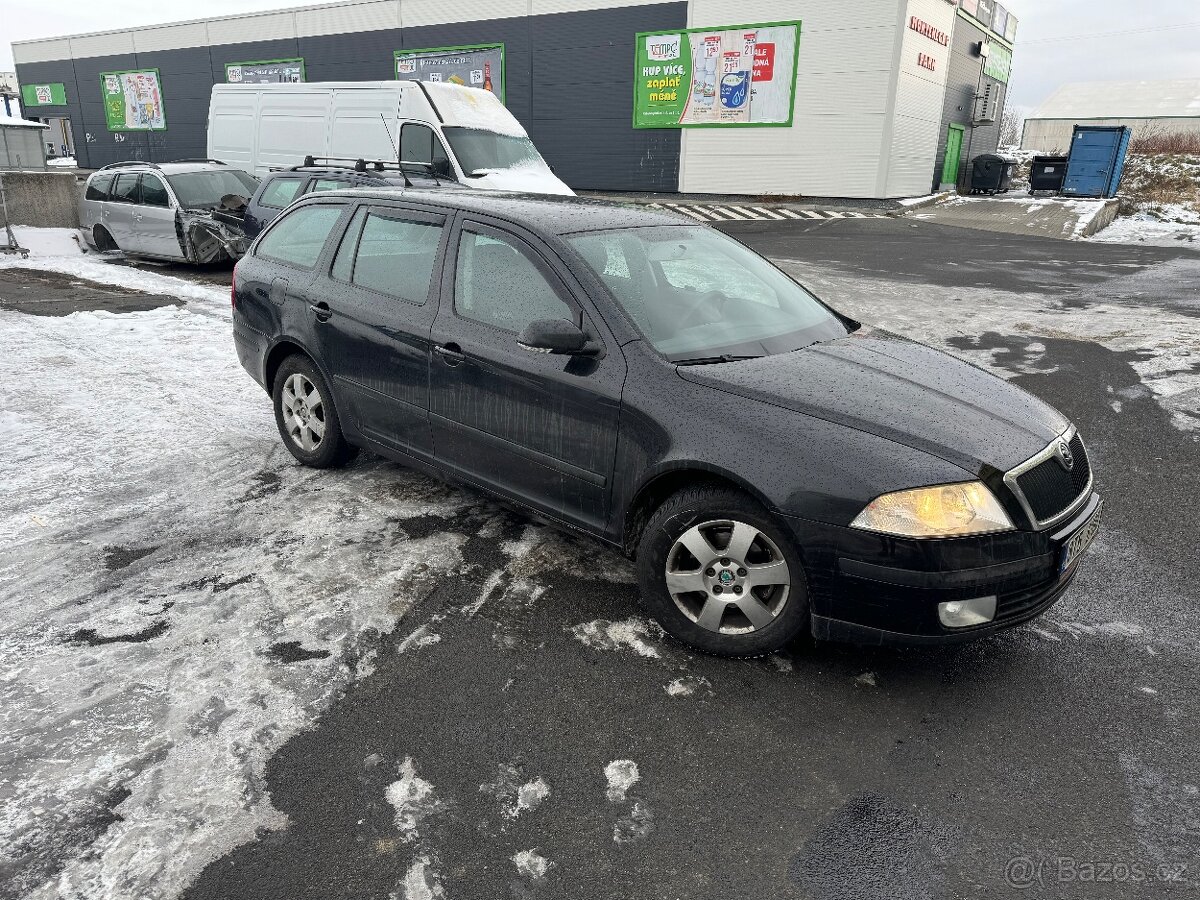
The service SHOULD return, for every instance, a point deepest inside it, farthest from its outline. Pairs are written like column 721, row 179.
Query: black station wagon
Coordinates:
column 773, row 466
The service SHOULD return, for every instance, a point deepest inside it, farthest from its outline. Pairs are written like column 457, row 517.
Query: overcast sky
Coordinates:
column 1059, row 40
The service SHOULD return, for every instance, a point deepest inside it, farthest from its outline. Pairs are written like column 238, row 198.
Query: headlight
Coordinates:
column 947, row 510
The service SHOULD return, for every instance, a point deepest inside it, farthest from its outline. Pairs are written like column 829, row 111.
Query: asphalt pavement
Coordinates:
column 525, row 732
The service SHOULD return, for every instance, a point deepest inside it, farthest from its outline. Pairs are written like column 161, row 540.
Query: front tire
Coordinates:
column 307, row 419
column 719, row 573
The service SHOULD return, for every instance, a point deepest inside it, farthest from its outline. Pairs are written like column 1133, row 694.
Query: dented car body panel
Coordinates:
column 184, row 212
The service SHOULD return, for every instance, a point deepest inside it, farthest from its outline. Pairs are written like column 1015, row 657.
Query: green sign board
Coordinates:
column 133, row 100
column 44, row 94
column 999, row 63
column 732, row 76
column 268, row 71
column 476, row 65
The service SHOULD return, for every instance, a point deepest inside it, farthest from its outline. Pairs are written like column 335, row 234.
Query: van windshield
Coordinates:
column 701, row 297
column 204, row 190
column 480, row 152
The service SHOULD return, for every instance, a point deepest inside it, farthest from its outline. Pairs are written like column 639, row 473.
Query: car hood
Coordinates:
column 886, row 385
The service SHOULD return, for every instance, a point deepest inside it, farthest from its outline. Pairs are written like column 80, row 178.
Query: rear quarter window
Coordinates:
column 281, row 192
column 97, row 188
column 298, row 237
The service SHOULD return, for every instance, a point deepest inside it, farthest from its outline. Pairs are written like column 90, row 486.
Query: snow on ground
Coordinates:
column 145, row 688
column 622, row 774
column 1167, row 343
column 632, row 633
column 1171, row 226
column 414, row 799
column 531, row 864
column 62, row 162
column 59, row 250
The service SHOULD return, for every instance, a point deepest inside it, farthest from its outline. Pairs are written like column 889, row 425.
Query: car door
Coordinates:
column 380, row 300
column 118, row 211
column 154, row 220
column 538, row 427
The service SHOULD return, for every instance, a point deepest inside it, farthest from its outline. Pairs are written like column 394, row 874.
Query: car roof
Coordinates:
column 544, row 212
column 171, row 168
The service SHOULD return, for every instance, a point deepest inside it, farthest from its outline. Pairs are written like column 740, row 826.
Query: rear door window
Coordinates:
column 281, row 192
column 328, row 184
column 298, row 238
column 154, row 192
column 393, row 252
column 125, row 190
column 97, row 188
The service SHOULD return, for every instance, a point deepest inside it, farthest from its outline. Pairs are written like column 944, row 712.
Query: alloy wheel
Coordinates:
column 303, row 412
column 728, row 577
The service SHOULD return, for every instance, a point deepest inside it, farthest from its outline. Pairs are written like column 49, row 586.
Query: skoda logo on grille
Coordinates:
column 1065, row 456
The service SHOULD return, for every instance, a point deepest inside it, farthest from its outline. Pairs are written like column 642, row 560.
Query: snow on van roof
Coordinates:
column 472, row 108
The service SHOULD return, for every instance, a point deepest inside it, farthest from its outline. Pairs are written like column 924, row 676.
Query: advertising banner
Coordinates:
column 133, row 101
column 999, row 63
column 271, row 71
column 736, row 75
column 44, row 94
column 477, row 66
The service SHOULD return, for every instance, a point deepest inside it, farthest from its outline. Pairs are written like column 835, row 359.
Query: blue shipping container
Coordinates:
column 1097, row 160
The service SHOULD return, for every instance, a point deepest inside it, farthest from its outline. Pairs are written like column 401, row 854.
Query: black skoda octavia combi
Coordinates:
column 773, row 466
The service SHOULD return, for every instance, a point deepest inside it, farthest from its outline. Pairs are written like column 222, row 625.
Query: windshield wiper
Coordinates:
column 713, row 360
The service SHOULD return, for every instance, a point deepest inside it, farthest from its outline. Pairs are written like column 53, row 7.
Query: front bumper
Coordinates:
column 875, row 589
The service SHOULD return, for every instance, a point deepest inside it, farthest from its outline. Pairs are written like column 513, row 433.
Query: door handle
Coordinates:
column 451, row 353
column 137, row 217
column 321, row 310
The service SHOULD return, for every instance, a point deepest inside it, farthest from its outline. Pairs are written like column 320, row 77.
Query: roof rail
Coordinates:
column 131, row 162
column 373, row 165
column 216, row 162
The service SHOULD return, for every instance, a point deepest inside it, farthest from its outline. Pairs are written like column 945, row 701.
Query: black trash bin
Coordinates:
column 1047, row 173
column 992, row 174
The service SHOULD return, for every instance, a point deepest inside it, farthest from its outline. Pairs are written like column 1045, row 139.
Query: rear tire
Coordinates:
column 719, row 573
column 307, row 419
column 104, row 240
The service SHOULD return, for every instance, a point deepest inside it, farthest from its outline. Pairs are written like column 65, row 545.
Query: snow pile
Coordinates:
column 1160, row 200
column 1170, row 225
column 65, row 162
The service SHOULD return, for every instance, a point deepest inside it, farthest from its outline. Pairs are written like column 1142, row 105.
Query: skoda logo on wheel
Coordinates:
column 1065, row 456
column 726, row 576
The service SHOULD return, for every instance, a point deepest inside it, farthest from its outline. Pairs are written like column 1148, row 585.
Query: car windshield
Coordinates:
column 204, row 190
column 480, row 151
column 701, row 297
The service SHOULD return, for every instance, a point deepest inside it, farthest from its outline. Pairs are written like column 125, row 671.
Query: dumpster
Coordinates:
column 992, row 174
column 1097, row 160
column 1046, row 173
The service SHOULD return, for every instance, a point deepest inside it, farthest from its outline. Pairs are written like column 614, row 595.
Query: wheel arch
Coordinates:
column 281, row 350
column 661, row 484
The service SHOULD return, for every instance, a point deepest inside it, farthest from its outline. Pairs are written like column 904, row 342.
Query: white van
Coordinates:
column 460, row 133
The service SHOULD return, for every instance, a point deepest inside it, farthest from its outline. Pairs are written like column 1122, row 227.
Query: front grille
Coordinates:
column 1050, row 489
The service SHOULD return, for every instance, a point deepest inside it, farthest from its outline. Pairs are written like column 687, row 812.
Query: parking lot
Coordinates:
column 226, row 676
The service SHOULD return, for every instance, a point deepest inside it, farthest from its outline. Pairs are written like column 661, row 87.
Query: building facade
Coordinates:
column 1164, row 112
column 781, row 97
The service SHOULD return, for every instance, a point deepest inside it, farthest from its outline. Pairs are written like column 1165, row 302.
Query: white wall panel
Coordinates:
column 347, row 18
column 244, row 29
column 110, row 43
column 171, row 37
column 440, row 12
column 844, row 76
column 42, row 51
column 539, row 7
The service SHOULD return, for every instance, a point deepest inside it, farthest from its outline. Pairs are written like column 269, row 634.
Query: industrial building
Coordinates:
column 1152, row 109
column 820, row 98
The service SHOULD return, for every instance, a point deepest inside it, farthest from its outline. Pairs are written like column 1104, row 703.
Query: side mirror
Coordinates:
column 553, row 336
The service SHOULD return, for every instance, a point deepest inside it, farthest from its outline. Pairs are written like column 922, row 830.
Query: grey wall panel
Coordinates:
column 568, row 79
column 962, row 83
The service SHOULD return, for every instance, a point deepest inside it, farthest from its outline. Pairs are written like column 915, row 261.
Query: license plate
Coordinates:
column 1080, row 540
